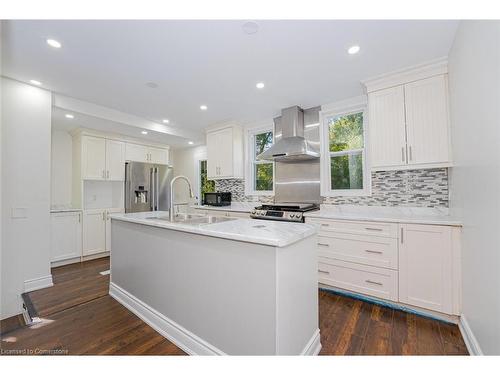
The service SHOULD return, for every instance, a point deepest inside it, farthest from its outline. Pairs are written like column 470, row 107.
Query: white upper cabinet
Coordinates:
column 93, row 158
column 115, row 160
column 158, row 155
column 135, row 152
column 225, row 153
column 146, row 154
column 409, row 119
column 426, row 105
column 387, row 127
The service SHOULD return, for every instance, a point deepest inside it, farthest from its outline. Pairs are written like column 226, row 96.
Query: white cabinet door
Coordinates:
column 225, row 152
column 94, row 232
column 386, row 127
column 158, row 155
column 65, row 235
column 115, row 160
column 108, row 225
column 93, row 158
column 426, row 104
column 212, row 155
column 134, row 152
column 426, row 267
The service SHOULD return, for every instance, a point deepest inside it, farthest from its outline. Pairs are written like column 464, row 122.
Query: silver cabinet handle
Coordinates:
column 374, row 252
column 103, row 216
column 403, row 154
column 373, row 282
column 103, row 174
column 411, row 154
column 107, row 215
column 326, row 272
column 323, row 244
column 79, row 217
column 325, row 225
column 401, row 234
column 374, row 229
column 107, row 174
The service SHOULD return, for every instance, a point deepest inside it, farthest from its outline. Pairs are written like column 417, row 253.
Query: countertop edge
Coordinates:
column 200, row 231
column 402, row 220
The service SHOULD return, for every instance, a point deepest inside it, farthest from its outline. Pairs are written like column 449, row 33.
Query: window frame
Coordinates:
column 326, row 155
column 251, row 162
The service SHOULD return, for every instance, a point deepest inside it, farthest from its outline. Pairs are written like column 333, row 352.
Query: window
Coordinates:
column 206, row 186
column 344, row 138
column 261, row 172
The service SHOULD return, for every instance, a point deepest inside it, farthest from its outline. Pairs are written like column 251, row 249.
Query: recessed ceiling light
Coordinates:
column 69, row 115
column 35, row 82
column 190, row 142
column 165, row 121
column 144, row 132
column 53, row 43
column 203, row 107
column 353, row 50
column 260, row 85
column 250, row 27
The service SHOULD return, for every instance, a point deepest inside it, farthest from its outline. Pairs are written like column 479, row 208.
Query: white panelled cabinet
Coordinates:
column 102, row 159
column 225, row 152
column 97, row 231
column 94, row 232
column 65, row 235
column 416, row 265
column 429, row 267
column 146, row 154
column 409, row 120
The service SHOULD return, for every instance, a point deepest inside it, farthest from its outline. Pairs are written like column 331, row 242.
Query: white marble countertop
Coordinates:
column 234, row 206
column 278, row 234
column 410, row 215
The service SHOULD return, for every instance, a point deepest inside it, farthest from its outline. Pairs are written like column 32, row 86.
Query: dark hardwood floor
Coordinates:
column 79, row 317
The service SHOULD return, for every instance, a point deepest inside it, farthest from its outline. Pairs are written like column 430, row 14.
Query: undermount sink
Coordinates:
column 193, row 219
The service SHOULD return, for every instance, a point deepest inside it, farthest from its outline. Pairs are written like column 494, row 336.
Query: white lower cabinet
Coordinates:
column 374, row 281
column 97, row 230
column 428, row 267
column 418, row 265
column 94, row 232
column 65, row 236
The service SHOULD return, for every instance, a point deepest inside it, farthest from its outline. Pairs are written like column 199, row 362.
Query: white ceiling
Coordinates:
column 215, row 63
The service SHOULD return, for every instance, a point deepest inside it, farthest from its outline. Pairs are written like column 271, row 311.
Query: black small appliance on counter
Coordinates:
column 217, row 199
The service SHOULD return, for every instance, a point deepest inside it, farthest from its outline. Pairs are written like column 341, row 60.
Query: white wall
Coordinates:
column 185, row 162
column 61, row 168
column 26, row 131
column 474, row 78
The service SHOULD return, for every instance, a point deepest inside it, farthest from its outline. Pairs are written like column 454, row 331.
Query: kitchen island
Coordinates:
column 232, row 286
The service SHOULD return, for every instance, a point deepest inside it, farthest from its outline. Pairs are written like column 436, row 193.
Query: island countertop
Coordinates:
column 277, row 234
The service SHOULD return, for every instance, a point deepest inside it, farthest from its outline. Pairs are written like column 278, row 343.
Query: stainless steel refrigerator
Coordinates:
column 147, row 187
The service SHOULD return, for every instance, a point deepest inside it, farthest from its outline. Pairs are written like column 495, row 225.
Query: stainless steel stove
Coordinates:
column 283, row 211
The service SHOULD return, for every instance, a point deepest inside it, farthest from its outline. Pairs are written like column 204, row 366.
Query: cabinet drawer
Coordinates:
column 372, row 281
column 369, row 250
column 356, row 227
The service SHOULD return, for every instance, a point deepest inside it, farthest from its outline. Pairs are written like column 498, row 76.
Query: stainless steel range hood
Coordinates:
column 292, row 146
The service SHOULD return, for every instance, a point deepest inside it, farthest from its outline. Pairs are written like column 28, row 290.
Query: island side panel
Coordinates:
column 297, row 298
column 221, row 290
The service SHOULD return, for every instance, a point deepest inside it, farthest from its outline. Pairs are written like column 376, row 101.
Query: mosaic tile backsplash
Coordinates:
column 411, row 188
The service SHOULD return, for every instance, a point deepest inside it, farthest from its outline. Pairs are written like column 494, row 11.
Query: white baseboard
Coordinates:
column 38, row 283
column 181, row 337
column 469, row 338
column 178, row 335
column 313, row 347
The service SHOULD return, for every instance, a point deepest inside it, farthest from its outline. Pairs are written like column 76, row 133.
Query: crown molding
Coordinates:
column 406, row 75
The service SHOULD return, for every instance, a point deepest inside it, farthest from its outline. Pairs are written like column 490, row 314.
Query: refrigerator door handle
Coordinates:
column 151, row 190
column 157, row 188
